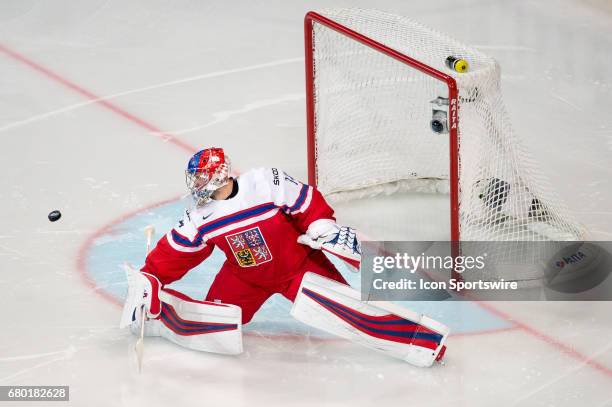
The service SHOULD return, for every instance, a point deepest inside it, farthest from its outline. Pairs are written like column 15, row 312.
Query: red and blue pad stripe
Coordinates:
column 388, row 327
column 170, row 318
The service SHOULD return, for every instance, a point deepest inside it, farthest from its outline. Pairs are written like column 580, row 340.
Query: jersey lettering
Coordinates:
column 275, row 179
column 291, row 179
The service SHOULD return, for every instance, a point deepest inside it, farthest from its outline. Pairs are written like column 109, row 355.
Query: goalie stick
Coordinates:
column 139, row 347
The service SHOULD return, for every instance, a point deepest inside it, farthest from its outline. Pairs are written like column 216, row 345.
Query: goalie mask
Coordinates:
column 207, row 171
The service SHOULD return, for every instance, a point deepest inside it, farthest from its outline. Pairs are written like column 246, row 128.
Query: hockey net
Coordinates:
column 376, row 83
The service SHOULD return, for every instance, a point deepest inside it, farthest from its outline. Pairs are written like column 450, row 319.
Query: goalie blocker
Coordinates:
column 386, row 327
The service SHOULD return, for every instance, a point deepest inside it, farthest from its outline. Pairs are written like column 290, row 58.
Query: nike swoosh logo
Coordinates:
column 206, row 217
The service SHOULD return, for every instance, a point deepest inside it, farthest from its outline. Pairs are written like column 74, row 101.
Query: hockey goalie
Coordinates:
column 274, row 232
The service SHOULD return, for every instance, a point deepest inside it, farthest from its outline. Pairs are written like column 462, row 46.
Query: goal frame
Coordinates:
column 453, row 97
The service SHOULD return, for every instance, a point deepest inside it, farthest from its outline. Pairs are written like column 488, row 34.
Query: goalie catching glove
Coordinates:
column 143, row 290
column 341, row 241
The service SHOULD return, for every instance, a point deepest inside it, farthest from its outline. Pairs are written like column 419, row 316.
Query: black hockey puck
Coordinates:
column 54, row 215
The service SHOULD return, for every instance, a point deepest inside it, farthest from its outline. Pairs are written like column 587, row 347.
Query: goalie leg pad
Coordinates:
column 396, row 331
column 200, row 325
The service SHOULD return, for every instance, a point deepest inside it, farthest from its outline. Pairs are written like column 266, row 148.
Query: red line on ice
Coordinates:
column 97, row 100
column 81, row 260
column 555, row 343
column 85, row 247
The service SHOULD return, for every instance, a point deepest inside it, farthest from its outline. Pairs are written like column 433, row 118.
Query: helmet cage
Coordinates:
column 202, row 182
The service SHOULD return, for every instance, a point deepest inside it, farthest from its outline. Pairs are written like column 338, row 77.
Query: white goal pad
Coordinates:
column 198, row 325
column 201, row 325
column 396, row 331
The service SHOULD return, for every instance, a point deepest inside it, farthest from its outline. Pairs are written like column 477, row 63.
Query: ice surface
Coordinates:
column 95, row 140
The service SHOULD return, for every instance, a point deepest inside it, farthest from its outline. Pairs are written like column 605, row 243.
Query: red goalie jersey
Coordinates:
column 257, row 228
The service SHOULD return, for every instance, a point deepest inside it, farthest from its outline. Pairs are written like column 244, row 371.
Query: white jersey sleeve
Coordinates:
column 291, row 195
column 185, row 236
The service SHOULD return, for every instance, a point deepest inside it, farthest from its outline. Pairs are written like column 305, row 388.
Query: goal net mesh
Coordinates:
column 374, row 130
